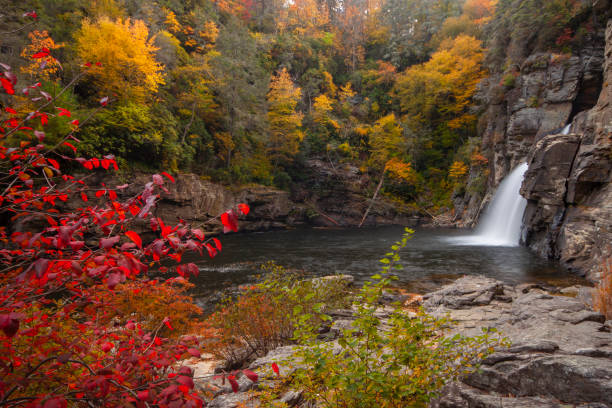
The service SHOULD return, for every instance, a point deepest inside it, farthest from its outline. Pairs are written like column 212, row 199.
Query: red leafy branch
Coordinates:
column 66, row 247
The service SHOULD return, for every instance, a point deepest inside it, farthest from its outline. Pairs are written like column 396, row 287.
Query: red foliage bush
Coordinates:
column 58, row 345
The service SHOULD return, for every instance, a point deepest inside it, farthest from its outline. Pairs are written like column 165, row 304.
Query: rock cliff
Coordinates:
column 555, row 114
column 326, row 196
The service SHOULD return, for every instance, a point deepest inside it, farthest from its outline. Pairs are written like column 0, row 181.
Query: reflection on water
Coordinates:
column 429, row 260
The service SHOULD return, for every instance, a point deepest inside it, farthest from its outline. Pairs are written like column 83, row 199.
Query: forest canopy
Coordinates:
column 243, row 91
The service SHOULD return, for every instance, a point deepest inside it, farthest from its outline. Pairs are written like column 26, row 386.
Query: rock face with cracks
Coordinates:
column 561, row 350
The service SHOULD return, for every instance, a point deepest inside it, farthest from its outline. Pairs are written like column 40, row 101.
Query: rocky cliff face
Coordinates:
column 327, row 196
column 567, row 186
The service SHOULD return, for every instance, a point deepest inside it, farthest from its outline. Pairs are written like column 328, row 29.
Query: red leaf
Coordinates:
column 41, row 266
column 31, row 14
column 134, row 237
column 185, row 380
column 169, row 176
column 9, row 323
column 106, row 347
column 233, row 383
column 84, row 196
column 63, row 112
column 8, row 87
column 229, row 221
column 11, row 110
column 250, row 375
column 167, row 323
column 143, row 395
column 275, row 368
column 75, row 122
column 41, row 54
column 244, row 208
column 106, row 243
column 212, row 252
column 217, row 243
column 198, row 233
column 194, row 352
column 57, row 402
column 54, row 163
column 71, row 146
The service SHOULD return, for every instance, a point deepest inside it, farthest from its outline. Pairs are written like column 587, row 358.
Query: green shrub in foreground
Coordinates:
column 401, row 362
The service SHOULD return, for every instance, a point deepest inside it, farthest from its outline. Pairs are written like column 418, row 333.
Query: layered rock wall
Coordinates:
column 567, row 186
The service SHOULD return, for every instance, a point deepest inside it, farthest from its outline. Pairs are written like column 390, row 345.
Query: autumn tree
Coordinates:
column 285, row 123
column 437, row 95
column 122, row 58
column 39, row 51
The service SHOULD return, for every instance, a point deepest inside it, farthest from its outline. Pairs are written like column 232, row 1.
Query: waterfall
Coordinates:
column 501, row 224
column 566, row 129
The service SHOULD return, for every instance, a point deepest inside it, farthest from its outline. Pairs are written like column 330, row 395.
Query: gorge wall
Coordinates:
column 568, row 183
column 326, row 196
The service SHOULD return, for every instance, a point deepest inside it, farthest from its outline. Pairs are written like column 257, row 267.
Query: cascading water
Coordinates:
column 501, row 224
column 566, row 129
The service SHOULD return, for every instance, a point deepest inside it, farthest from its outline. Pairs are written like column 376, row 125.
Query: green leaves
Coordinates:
column 398, row 361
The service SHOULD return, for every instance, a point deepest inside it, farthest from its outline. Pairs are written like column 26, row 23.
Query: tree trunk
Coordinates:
column 380, row 183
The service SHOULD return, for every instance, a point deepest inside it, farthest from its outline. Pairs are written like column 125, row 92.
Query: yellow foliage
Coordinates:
column 171, row 22
column 38, row 41
column 457, row 170
column 226, row 145
column 210, row 33
column 386, row 140
column 128, row 66
column 328, row 86
column 346, row 92
column 285, row 122
column 322, row 106
column 443, row 86
column 304, row 18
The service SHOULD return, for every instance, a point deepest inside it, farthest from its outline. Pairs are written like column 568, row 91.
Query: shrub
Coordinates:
column 509, row 80
column 399, row 363
column 602, row 296
column 262, row 317
column 67, row 248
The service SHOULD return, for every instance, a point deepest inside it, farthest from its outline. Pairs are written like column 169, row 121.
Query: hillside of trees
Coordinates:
column 245, row 91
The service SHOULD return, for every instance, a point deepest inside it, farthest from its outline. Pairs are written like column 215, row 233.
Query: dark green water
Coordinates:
column 429, row 260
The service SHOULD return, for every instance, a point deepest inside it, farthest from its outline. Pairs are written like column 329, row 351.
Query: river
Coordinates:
column 429, row 260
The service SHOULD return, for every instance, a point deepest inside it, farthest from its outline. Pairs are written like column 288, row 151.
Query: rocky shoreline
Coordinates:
column 560, row 352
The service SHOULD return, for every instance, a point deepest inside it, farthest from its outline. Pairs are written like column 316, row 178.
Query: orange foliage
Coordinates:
column 151, row 304
column 43, row 67
column 401, row 170
column 250, row 326
column 602, row 296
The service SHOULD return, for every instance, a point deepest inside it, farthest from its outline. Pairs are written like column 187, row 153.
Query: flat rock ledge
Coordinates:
column 560, row 353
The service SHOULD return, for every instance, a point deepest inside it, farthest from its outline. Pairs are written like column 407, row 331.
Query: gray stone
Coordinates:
column 560, row 349
column 234, row 400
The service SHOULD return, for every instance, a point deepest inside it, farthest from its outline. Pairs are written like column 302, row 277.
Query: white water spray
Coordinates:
column 501, row 224
column 566, row 129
